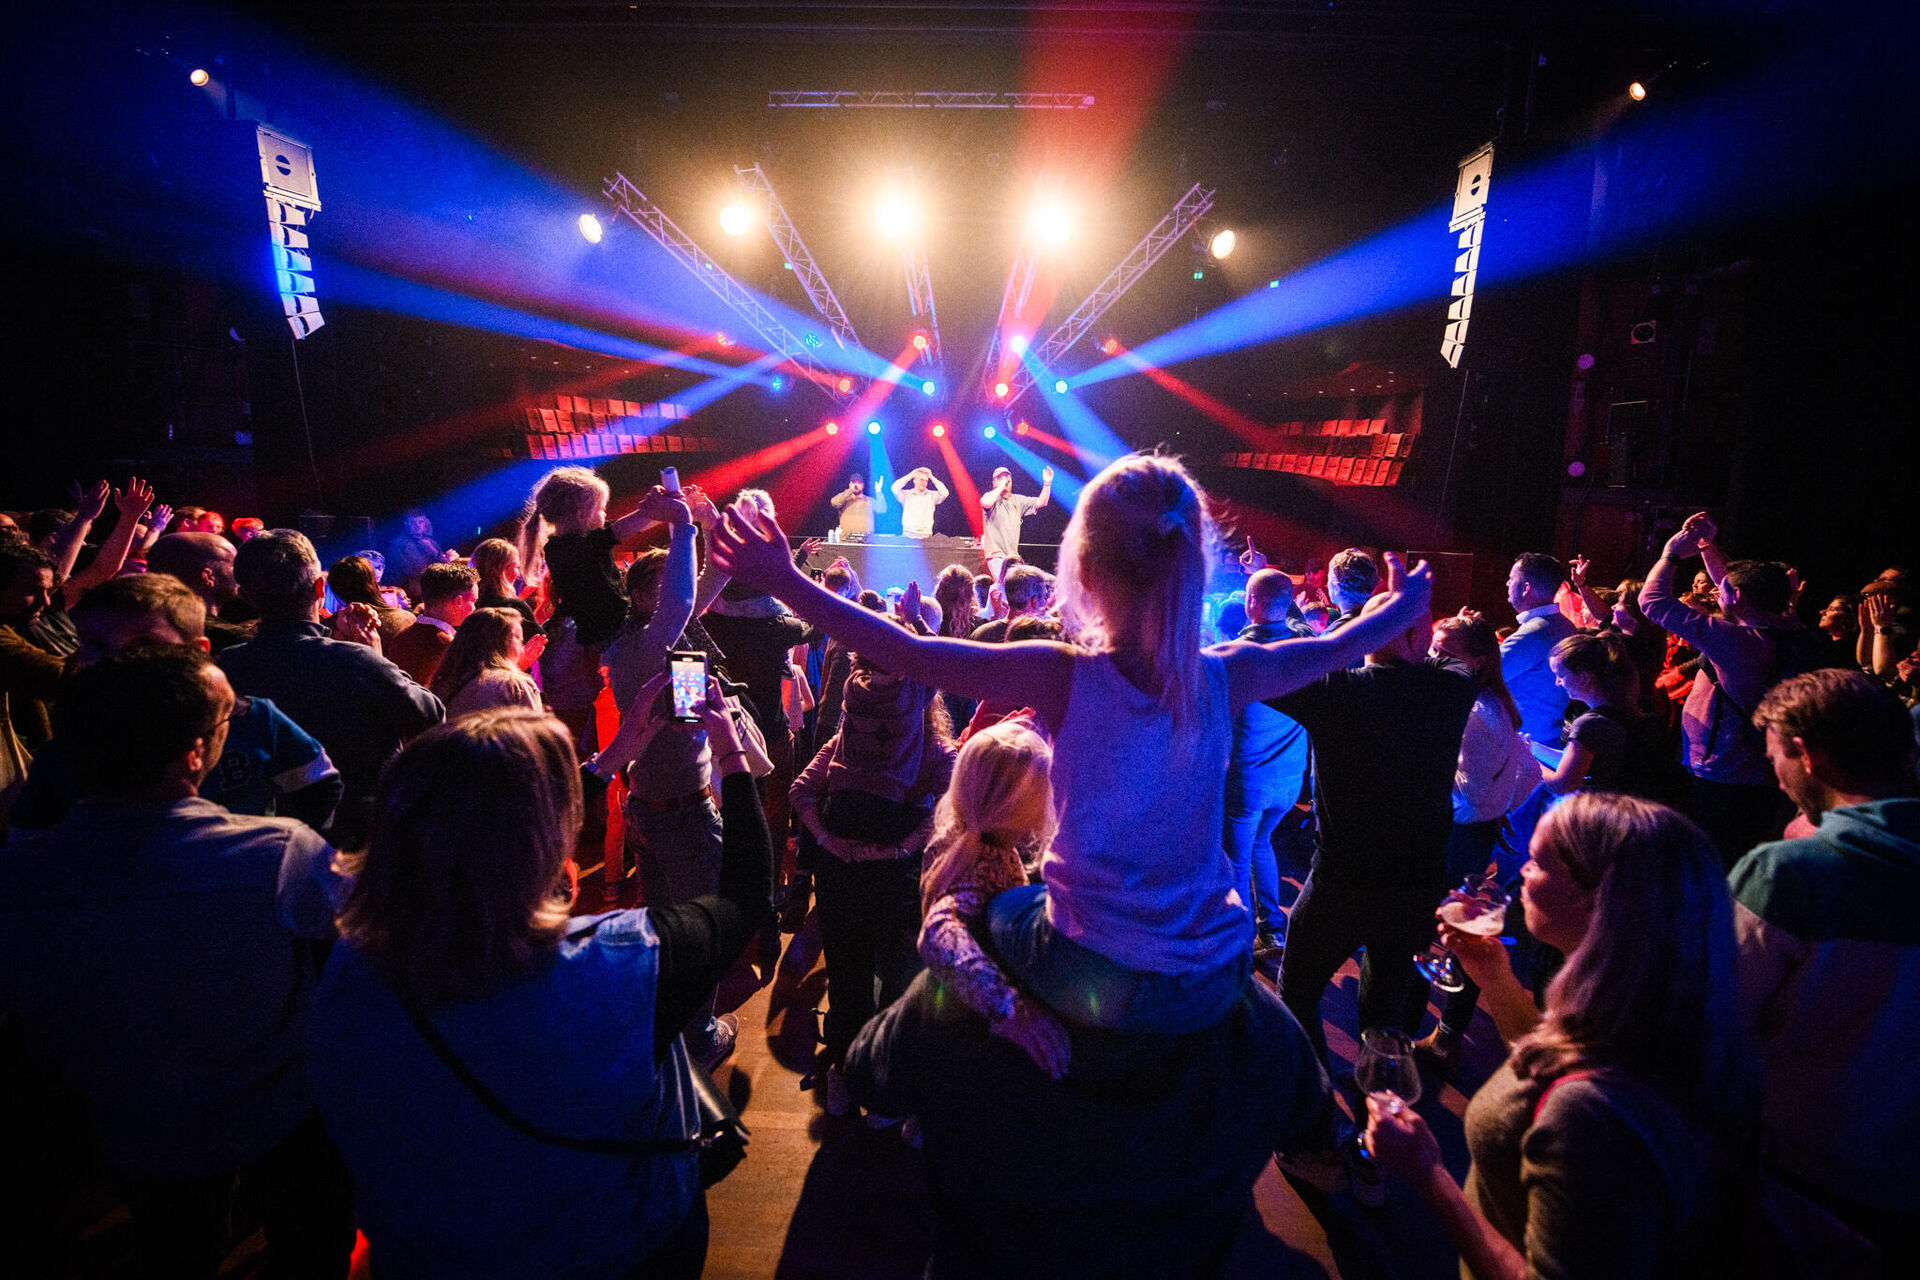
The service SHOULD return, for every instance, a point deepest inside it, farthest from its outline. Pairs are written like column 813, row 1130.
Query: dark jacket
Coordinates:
column 1138, row 1163
column 360, row 706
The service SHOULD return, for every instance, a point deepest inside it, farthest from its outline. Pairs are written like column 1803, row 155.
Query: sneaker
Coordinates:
column 1325, row 1170
column 1369, row 1184
column 1267, row 945
column 839, row 1097
column 726, row 1033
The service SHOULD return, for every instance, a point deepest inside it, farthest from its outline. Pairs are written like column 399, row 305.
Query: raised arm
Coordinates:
column 900, row 486
column 939, row 490
column 656, row 506
column 132, row 503
column 67, row 540
column 841, row 498
column 1035, row 674
column 1046, row 488
column 1256, row 672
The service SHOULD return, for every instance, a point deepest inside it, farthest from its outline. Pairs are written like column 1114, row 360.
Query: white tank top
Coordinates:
column 1137, row 871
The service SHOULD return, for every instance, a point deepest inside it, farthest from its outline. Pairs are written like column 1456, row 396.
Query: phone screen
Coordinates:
column 688, row 674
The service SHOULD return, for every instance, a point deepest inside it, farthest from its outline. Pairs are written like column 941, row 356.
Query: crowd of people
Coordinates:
column 292, row 893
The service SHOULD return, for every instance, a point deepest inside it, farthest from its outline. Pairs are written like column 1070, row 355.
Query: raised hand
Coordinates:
column 530, row 651
column 358, row 624
column 1877, row 610
column 1046, row 475
column 159, row 517
column 808, row 547
column 1039, row 1034
column 132, row 503
column 910, row 603
column 705, row 514
column 89, row 505
column 1251, row 560
column 1577, row 572
column 750, row 546
column 1415, row 584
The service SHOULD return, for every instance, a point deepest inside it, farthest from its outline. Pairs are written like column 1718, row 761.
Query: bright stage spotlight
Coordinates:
column 1060, row 386
column 920, row 340
column 896, row 215
column 833, row 428
column 779, row 382
column 1050, row 223
column 1000, row 390
column 939, row 430
column 928, row 388
column 735, row 219
column 873, row 428
column 1111, row 346
column 1022, row 427
column 1017, row 344
column 590, row 228
column 989, row 433
column 1637, row 91
column 198, row 77
column 1221, row 246
column 723, row 339
column 845, row 385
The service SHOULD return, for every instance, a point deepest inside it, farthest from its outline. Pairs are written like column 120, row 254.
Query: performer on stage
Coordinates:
column 1005, row 509
column 857, row 509
column 919, row 494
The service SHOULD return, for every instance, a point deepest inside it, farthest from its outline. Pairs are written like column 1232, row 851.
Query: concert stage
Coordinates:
column 889, row 560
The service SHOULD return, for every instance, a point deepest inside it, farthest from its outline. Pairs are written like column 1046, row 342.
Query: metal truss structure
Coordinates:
column 919, row 277
column 1013, row 302
column 794, row 250
column 1169, row 231
column 964, row 101
column 627, row 200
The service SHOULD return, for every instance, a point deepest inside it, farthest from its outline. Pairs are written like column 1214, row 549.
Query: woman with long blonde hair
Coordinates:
column 1621, row 1137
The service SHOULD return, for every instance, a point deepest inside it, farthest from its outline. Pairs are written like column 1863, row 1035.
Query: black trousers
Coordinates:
column 305, row 1200
column 1390, row 913
column 1738, row 816
column 869, row 924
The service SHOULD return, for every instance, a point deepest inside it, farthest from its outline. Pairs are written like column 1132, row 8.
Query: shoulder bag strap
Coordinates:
column 506, row 1115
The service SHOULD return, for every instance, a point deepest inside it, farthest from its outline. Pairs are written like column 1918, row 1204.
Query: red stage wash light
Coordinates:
column 833, row 428
column 1022, row 428
column 939, row 430
column 1000, row 390
column 920, row 342
column 846, row 385
column 1111, row 346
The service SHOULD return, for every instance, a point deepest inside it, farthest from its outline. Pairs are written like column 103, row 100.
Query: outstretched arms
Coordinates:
column 1256, row 672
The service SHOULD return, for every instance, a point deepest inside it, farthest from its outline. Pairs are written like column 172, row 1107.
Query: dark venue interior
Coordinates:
column 1029, row 235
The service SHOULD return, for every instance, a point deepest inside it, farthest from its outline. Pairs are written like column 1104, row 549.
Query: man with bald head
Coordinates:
column 204, row 561
column 1266, row 768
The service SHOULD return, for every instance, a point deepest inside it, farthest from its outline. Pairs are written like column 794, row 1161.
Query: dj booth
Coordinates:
column 889, row 560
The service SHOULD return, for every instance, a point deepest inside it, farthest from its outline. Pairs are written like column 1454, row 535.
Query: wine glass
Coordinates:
column 1479, row 907
column 1386, row 1068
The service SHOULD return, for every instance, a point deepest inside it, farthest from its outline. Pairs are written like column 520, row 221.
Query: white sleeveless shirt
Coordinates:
column 1137, row 871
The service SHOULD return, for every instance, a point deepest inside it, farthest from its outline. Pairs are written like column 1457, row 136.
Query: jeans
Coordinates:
column 869, row 925
column 305, row 1197
column 1248, row 839
column 1389, row 912
column 1092, row 990
column 678, row 857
